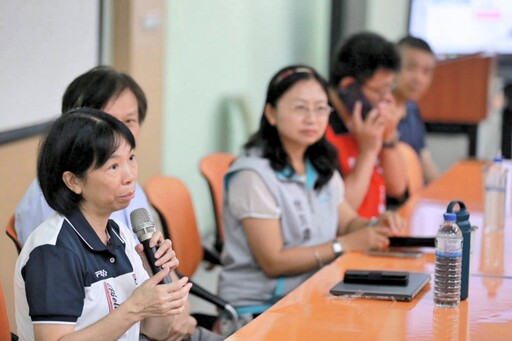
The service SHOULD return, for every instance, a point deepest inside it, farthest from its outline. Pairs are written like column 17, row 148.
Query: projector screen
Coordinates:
column 458, row 27
column 45, row 45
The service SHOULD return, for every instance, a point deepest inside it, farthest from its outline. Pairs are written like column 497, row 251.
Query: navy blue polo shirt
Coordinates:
column 66, row 275
column 412, row 128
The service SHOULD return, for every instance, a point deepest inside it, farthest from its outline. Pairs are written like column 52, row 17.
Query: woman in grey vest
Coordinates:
column 284, row 210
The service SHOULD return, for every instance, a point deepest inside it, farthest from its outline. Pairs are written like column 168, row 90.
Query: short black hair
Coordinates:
column 361, row 55
column 78, row 140
column 322, row 154
column 95, row 88
column 415, row 43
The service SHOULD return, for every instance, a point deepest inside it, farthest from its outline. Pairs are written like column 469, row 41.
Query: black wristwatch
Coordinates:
column 392, row 143
column 337, row 248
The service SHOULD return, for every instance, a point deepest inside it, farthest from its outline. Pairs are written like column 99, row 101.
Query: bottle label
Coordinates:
column 449, row 247
column 495, row 188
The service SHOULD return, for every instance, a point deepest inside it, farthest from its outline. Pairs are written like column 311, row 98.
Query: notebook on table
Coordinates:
column 406, row 293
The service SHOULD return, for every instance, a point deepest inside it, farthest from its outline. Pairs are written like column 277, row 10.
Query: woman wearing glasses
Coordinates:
column 284, row 211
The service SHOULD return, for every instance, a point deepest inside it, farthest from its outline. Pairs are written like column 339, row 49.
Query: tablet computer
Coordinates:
column 406, row 293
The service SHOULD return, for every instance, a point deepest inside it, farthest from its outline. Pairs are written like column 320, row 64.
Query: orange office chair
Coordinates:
column 11, row 233
column 213, row 167
column 172, row 200
column 415, row 180
column 5, row 330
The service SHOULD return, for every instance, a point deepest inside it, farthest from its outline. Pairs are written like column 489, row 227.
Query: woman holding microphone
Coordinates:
column 80, row 275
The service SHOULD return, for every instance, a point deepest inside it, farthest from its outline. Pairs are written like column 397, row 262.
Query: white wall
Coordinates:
column 227, row 49
column 388, row 18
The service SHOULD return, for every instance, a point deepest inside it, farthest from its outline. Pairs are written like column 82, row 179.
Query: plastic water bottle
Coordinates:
column 464, row 225
column 495, row 195
column 448, row 268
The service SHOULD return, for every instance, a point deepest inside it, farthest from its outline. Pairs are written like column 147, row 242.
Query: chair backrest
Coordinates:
column 171, row 198
column 5, row 330
column 213, row 167
column 11, row 233
column 415, row 179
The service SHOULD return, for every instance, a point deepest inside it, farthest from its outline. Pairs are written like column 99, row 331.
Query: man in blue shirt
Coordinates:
column 417, row 68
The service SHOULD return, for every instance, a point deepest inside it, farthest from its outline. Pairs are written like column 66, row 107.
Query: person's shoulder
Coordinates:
column 336, row 177
column 247, row 177
column 251, row 167
column 46, row 233
column 33, row 202
column 32, row 193
column 251, row 159
column 248, row 162
column 336, row 180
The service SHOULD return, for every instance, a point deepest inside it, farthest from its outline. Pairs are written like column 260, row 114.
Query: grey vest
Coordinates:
column 308, row 217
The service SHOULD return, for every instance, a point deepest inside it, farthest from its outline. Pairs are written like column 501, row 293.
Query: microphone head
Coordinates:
column 142, row 224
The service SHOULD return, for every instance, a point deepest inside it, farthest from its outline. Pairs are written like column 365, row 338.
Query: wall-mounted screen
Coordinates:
column 458, row 27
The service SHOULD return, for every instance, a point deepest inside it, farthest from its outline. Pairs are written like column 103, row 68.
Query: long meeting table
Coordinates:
column 310, row 312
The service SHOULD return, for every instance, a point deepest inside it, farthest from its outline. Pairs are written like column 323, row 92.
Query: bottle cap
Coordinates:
column 462, row 213
column 498, row 158
column 450, row 217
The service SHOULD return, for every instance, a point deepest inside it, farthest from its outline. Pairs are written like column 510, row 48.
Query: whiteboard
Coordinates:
column 45, row 44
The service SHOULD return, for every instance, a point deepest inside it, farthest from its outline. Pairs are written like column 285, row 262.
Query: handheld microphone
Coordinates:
column 144, row 228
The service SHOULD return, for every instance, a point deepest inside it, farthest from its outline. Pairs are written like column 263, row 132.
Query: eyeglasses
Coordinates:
column 319, row 111
column 379, row 91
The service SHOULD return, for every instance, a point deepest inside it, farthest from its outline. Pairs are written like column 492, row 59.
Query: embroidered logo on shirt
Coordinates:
column 134, row 276
column 111, row 296
column 303, row 220
column 101, row 273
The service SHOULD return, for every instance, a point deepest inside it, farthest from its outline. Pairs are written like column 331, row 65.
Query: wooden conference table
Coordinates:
column 310, row 312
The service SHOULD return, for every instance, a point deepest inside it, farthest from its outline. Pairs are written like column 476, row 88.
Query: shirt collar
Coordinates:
column 85, row 231
column 288, row 174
